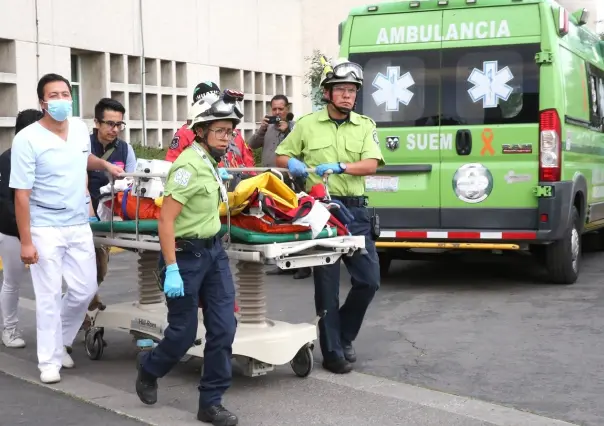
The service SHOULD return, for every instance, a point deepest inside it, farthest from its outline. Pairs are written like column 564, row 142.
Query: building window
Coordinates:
column 75, row 85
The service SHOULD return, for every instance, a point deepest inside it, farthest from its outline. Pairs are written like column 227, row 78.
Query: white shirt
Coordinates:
column 55, row 171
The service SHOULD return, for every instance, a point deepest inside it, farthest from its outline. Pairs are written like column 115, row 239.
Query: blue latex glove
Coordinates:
column 173, row 285
column 93, row 219
column 323, row 168
column 297, row 168
column 224, row 175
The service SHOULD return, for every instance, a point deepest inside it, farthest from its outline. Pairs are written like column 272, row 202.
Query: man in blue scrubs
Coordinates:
column 48, row 173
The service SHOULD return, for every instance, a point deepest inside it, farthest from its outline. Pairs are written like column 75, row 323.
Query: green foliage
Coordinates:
column 257, row 156
column 148, row 153
column 313, row 76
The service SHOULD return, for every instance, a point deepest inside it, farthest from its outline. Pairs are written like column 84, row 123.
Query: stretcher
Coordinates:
column 260, row 343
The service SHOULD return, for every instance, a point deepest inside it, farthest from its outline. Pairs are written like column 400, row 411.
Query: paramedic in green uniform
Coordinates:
column 346, row 143
column 194, row 264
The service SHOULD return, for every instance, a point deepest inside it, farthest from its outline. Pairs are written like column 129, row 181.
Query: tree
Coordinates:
column 313, row 77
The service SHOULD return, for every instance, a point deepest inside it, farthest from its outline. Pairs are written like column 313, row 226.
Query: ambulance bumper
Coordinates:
column 554, row 209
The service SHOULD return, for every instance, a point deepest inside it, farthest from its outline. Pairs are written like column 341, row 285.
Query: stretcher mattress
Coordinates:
column 149, row 227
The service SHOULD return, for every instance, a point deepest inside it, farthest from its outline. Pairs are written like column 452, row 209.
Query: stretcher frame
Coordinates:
column 260, row 343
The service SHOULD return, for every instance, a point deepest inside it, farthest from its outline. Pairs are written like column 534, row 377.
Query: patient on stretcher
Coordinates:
column 260, row 206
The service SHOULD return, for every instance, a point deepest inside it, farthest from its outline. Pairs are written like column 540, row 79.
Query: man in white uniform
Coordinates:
column 48, row 173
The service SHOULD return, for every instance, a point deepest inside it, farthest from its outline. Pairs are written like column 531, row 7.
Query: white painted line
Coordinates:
column 106, row 397
column 437, row 234
column 463, row 406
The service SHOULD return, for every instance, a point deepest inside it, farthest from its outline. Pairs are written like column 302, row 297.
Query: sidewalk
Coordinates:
column 24, row 403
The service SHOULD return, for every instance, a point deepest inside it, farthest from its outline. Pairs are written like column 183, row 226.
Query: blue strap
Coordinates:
column 124, row 203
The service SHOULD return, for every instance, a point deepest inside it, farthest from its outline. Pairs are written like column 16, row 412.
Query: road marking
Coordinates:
column 129, row 405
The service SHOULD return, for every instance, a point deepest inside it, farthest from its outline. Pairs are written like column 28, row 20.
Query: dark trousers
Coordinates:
column 340, row 325
column 206, row 275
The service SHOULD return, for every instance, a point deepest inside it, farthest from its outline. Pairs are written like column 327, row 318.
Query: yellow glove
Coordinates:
column 159, row 201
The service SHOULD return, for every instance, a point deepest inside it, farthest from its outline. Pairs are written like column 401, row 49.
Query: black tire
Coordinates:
column 563, row 257
column 303, row 362
column 94, row 344
column 385, row 261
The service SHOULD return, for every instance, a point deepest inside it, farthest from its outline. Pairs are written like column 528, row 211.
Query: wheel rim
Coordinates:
column 575, row 248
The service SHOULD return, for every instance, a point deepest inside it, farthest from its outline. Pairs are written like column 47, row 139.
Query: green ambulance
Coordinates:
column 490, row 115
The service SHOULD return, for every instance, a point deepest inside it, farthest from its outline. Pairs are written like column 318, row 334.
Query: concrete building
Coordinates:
column 149, row 58
column 149, row 55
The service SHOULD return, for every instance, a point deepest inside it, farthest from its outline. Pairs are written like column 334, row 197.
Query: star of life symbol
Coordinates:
column 393, row 88
column 490, row 84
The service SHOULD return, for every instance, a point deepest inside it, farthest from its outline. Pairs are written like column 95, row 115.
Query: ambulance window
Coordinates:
column 400, row 88
column 490, row 85
column 595, row 93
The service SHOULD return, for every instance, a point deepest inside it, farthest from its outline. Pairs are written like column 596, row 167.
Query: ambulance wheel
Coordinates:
column 94, row 344
column 303, row 362
column 563, row 257
column 385, row 261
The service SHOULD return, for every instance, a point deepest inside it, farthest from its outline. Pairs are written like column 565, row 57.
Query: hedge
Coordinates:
column 149, row 153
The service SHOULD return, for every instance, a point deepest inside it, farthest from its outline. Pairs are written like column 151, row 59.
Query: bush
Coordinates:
column 148, row 153
column 257, row 157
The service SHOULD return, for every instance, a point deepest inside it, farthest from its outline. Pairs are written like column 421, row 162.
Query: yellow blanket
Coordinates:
column 266, row 183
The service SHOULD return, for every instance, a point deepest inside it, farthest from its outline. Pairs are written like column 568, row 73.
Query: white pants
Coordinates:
column 64, row 252
column 13, row 274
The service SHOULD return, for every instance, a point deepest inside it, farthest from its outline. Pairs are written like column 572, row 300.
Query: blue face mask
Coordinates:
column 59, row 109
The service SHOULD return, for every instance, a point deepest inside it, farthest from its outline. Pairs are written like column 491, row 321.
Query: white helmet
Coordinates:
column 342, row 71
column 208, row 109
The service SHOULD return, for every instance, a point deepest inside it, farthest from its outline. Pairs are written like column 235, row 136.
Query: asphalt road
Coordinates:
column 486, row 328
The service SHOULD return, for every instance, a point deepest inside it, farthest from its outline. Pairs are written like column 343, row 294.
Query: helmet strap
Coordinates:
column 215, row 153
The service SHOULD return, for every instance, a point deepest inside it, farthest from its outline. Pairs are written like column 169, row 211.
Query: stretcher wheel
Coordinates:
column 303, row 362
column 94, row 344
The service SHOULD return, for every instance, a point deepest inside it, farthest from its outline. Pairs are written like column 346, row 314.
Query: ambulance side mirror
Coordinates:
column 581, row 16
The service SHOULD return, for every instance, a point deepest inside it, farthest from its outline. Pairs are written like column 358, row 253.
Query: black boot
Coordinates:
column 337, row 366
column 279, row 271
column 217, row 415
column 146, row 384
column 302, row 273
column 349, row 353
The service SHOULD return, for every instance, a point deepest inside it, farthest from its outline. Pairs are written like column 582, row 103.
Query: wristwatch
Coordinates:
column 343, row 167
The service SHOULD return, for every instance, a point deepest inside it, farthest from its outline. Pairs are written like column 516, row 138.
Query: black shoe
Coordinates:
column 146, row 385
column 279, row 271
column 302, row 273
column 349, row 353
column 338, row 366
column 217, row 415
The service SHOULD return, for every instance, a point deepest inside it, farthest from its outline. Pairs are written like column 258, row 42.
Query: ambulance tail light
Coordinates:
column 550, row 146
